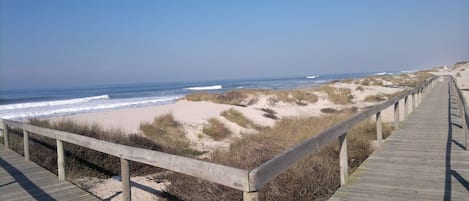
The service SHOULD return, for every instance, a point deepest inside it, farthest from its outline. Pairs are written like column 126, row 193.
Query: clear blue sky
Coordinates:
column 87, row 42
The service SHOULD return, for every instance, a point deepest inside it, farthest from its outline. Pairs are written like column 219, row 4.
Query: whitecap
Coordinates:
column 212, row 87
column 52, row 103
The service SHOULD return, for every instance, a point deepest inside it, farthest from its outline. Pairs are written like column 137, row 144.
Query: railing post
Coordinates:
column 406, row 108
column 125, row 180
column 60, row 160
column 396, row 115
column 251, row 196
column 26, row 145
column 420, row 97
column 6, row 137
column 464, row 125
column 413, row 102
column 343, row 159
column 379, row 130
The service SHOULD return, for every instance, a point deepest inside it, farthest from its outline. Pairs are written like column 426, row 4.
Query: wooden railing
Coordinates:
column 244, row 180
column 462, row 106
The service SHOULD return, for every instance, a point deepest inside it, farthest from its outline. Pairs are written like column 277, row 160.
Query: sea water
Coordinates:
column 45, row 103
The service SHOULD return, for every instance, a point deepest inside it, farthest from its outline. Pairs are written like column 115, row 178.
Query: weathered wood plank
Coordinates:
column 24, row 180
column 421, row 161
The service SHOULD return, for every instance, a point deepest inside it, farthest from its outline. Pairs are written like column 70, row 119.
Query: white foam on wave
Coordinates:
column 408, row 71
column 322, row 81
column 312, row 77
column 382, row 73
column 52, row 103
column 212, row 87
column 102, row 105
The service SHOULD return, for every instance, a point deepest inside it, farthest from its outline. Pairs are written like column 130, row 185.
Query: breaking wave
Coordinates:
column 52, row 103
column 212, row 87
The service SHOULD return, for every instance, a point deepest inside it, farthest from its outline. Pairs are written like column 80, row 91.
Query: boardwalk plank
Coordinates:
column 24, row 180
column 424, row 160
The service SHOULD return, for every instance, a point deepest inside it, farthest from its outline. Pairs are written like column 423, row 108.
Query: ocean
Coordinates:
column 45, row 103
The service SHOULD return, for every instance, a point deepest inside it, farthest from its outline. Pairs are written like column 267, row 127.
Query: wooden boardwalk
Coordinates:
column 424, row 160
column 25, row 180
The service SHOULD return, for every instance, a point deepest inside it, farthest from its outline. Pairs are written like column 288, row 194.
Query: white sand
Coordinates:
column 142, row 188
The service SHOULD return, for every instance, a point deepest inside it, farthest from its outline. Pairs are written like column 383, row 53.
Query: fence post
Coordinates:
column 26, row 145
column 6, row 138
column 251, row 196
column 343, row 159
column 413, row 102
column 396, row 115
column 406, row 108
column 125, row 180
column 60, row 160
column 420, row 97
column 464, row 124
column 379, row 130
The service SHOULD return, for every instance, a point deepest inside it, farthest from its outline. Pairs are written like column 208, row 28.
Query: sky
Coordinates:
column 81, row 43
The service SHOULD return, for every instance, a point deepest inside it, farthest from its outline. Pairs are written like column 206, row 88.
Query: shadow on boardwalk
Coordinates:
column 452, row 111
column 35, row 191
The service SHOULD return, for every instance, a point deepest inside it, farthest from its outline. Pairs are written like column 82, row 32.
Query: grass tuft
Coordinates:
column 169, row 134
column 269, row 113
column 340, row 96
column 329, row 110
column 216, row 130
column 375, row 98
column 238, row 118
column 230, row 98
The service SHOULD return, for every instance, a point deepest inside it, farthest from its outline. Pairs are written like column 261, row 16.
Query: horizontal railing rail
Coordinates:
column 247, row 181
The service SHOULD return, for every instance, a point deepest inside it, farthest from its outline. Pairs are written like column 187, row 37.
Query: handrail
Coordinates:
column 462, row 104
column 247, row 181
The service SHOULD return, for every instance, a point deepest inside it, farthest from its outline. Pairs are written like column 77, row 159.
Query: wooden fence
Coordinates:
column 248, row 181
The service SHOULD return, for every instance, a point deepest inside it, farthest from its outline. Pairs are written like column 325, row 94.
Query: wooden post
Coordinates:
column 420, row 97
column 343, row 159
column 462, row 113
column 26, row 145
column 417, row 99
column 379, row 130
column 60, row 160
column 464, row 126
column 125, row 180
column 406, row 108
column 6, row 137
column 251, row 196
column 413, row 102
column 396, row 115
